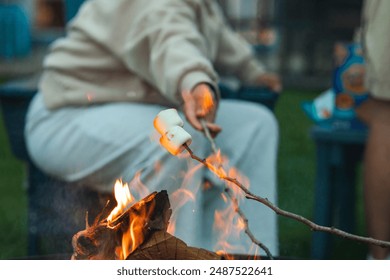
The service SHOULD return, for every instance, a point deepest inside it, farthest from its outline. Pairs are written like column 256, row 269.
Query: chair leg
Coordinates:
column 321, row 242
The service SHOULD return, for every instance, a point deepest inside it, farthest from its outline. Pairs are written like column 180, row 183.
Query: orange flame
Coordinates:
column 215, row 163
column 179, row 198
column 134, row 236
column 183, row 195
column 138, row 187
column 123, row 198
column 227, row 222
column 207, row 101
column 229, row 227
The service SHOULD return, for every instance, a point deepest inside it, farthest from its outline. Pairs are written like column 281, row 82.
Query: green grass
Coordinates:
column 296, row 175
column 296, row 171
column 296, row 180
column 13, row 202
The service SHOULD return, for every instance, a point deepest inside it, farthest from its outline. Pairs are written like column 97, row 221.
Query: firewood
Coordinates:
column 100, row 240
column 164, row 246
column 154, row 208
column 148, row 220
column 97, row 242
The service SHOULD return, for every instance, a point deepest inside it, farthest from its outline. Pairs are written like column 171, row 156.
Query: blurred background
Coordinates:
column 294, row 38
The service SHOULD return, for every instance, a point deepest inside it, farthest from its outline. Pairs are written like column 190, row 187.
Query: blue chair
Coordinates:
column 260, row 95
column 56, row 209
column 71, row 8
column 15, row 35
column 338, row 155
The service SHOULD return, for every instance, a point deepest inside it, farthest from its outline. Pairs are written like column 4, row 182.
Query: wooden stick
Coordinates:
column 233, row 199
column 208, row 136
column 277, row 210
column 246, row 223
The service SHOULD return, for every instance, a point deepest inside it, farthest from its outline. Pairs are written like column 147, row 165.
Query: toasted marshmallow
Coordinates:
column 174, row 140
column 167, row 119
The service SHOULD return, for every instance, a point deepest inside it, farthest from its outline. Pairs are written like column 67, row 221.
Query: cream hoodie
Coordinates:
column 376, row 45
column 143, row 51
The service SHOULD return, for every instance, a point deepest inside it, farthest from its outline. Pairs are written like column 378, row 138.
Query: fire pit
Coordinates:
column 134, row 231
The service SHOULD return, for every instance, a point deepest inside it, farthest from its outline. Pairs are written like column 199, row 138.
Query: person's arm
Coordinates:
column 165, row 48
column 168, row 51
column 236, row 57
column 376, row 46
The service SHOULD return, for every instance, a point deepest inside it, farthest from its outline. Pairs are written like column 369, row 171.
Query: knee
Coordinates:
column 247, row 123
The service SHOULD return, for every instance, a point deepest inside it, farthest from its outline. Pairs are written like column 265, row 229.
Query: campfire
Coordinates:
column 134, row 230
column 144, row 230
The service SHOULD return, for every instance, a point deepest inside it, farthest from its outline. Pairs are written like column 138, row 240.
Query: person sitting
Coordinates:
column 376, row 114
column 120, row 64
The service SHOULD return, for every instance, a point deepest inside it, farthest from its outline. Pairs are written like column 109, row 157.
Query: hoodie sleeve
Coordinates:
column 235, row 55
column 376, row 43
column 166, row 48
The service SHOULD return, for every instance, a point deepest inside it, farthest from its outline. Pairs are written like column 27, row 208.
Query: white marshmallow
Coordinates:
column 174, row 140
column 167, row 119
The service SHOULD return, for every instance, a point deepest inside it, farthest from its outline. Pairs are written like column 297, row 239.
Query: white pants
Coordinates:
column 98, row 144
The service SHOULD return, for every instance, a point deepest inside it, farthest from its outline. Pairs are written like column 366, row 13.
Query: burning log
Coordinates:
column 96, row 242
column 138, row 232
column 102, row 239
column 163, row 246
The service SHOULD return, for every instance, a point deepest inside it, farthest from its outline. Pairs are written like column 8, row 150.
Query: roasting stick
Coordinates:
column 177, row 146
column 208, row 135
column 313, row 226
column 233, row 199
column 175, row 139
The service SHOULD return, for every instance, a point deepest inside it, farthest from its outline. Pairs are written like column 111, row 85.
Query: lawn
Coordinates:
column 296, row 173
column 296, row 179
column 13, row 202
